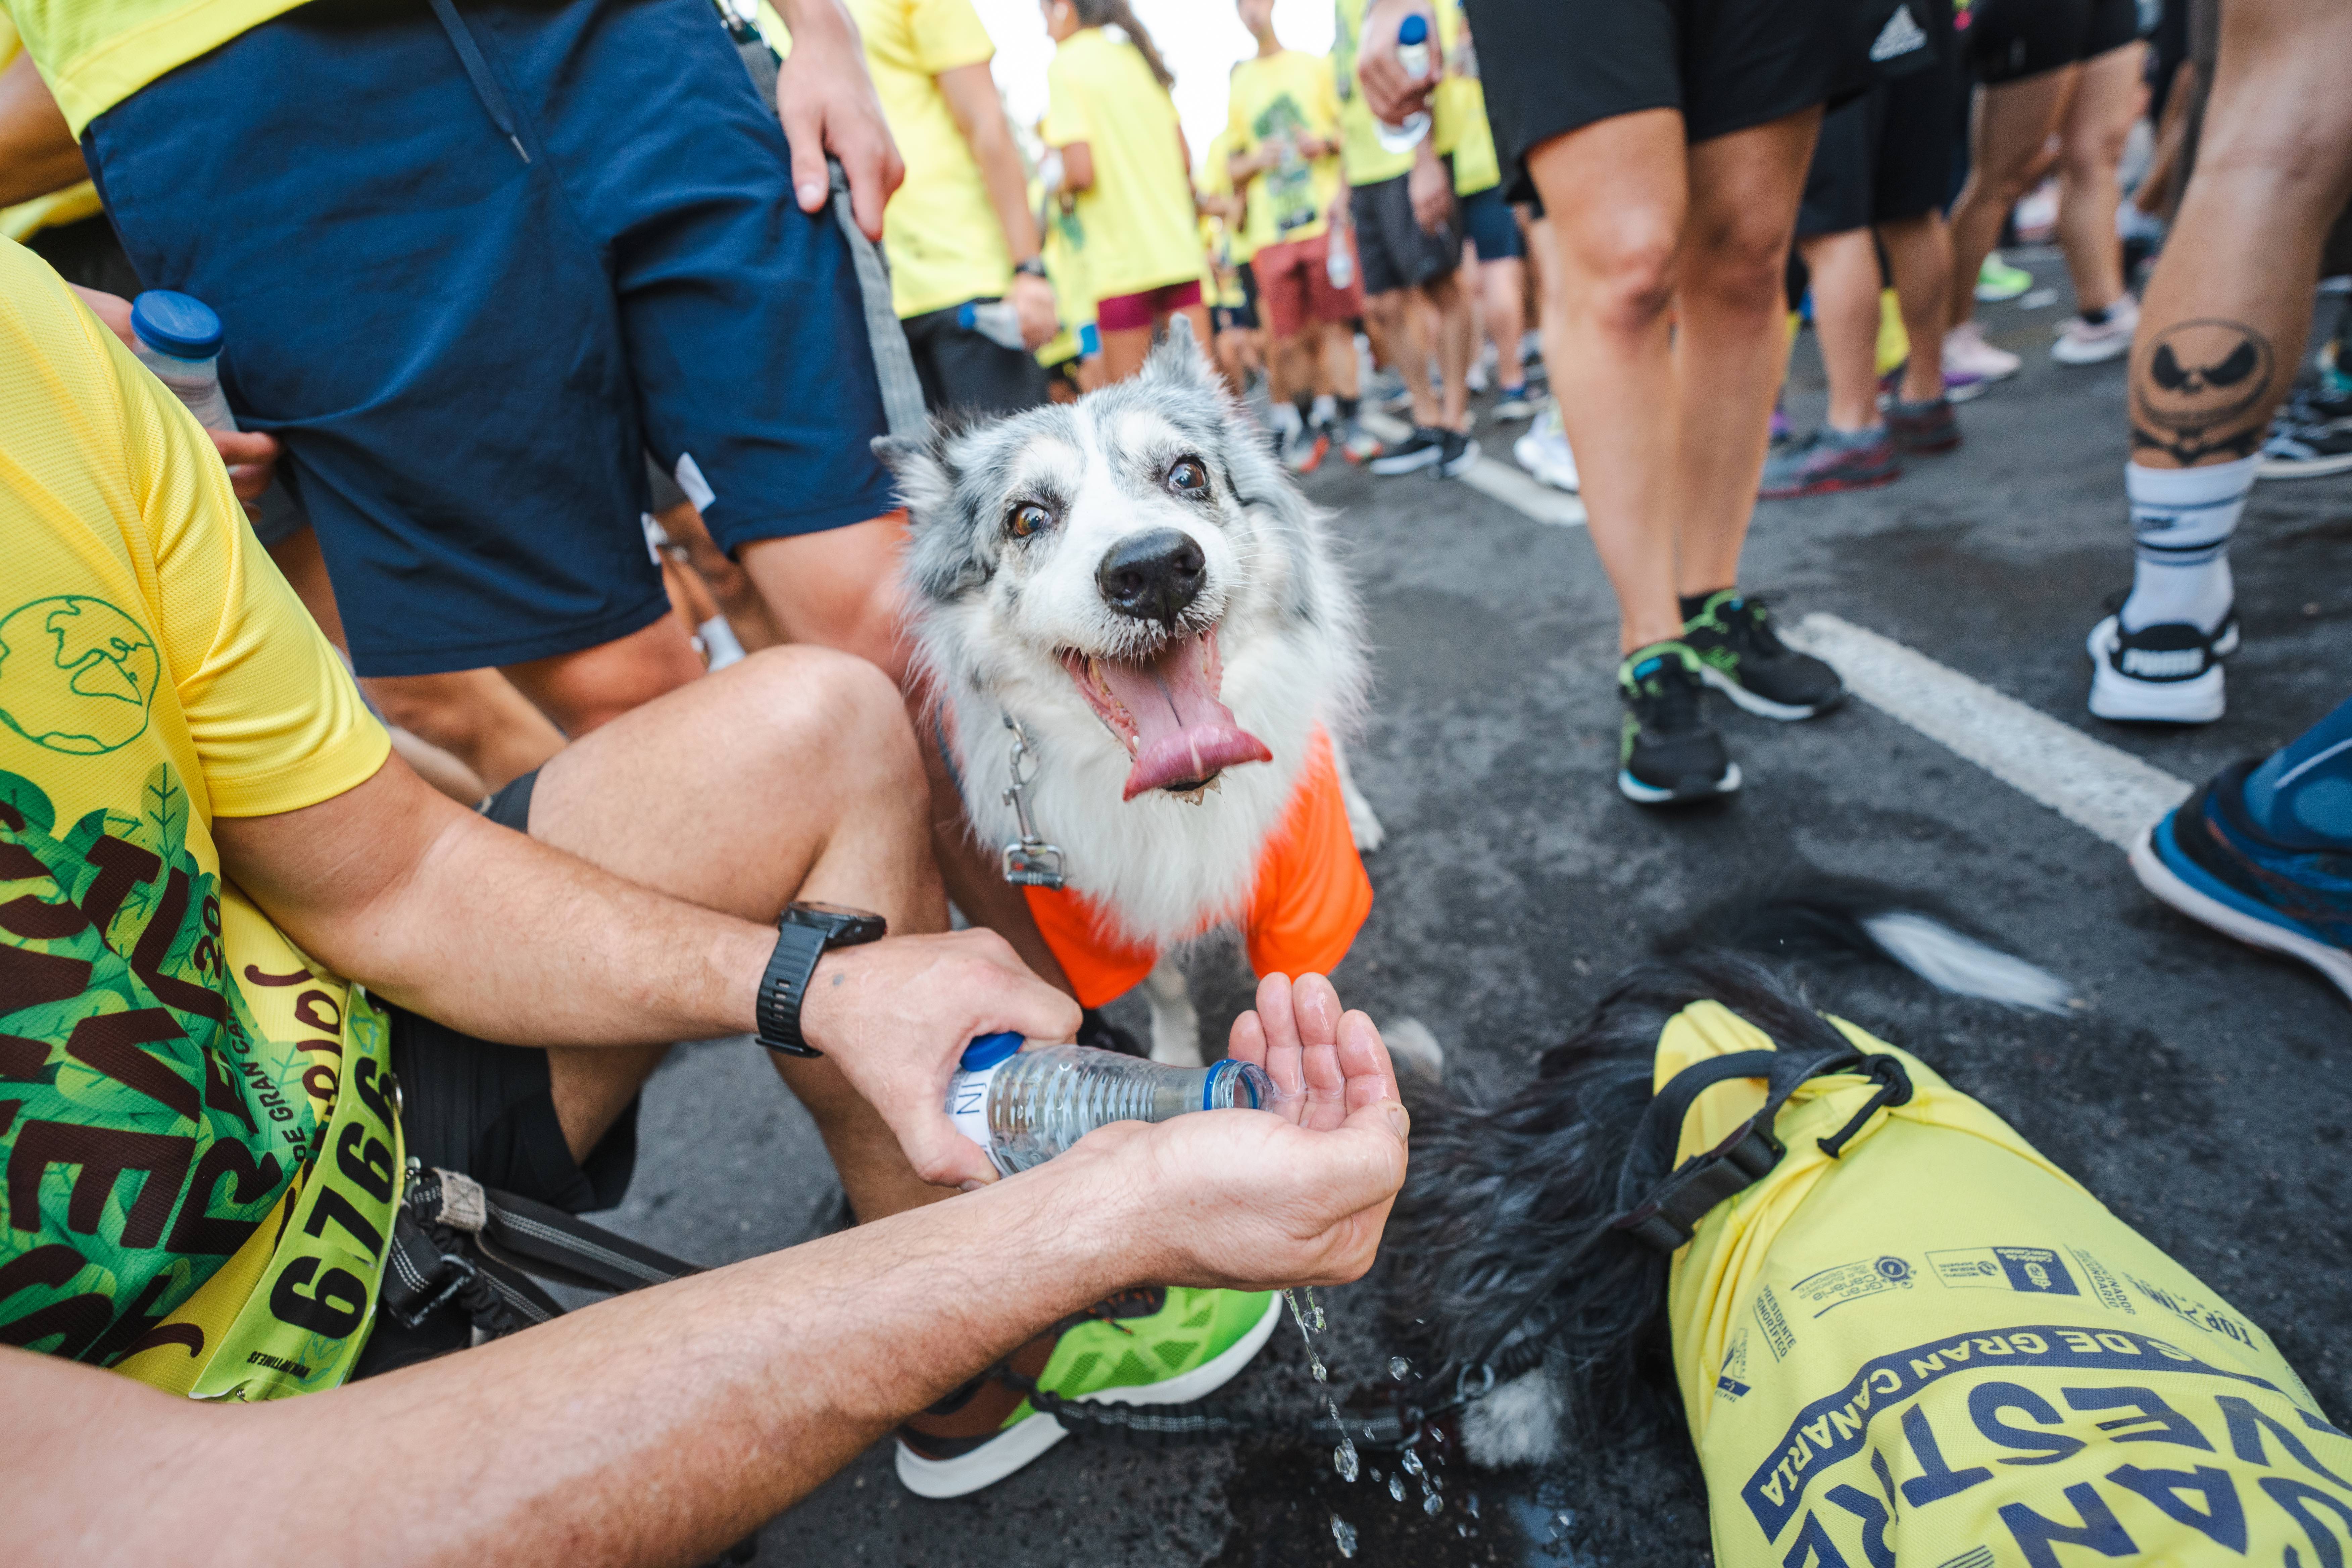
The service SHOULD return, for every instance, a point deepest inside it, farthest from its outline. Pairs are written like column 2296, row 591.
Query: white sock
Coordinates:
column 2182, row 523
column 1284, row 415
column 1325, row 410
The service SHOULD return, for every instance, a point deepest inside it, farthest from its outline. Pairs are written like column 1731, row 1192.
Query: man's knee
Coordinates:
column 1741, row 263
column 839, row 716
column 1628, row 273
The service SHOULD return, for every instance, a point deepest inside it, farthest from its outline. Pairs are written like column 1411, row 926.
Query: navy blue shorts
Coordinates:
column 468, row 356
column 1487, row 219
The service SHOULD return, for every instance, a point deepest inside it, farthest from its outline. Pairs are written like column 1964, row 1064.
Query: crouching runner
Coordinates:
column 207, row 851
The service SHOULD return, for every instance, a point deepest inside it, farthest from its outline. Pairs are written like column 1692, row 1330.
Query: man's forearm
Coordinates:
column 656, row 1426
column 1008, row 191
column 37, row 151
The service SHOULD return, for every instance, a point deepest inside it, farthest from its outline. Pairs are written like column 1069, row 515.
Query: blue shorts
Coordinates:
column 1492, row 226
column 468, row 355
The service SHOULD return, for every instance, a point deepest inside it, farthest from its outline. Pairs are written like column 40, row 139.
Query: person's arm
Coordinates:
column 434, row 907
column 1077, row 166
column 663, row 1425
column 825, row 101
column 37, row 152
column 971, row 94
column 1431, row 188
column 1391, row 94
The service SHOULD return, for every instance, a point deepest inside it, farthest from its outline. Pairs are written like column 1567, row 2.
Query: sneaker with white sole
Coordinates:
column 1457, row 454
column 1153, row 1345
column 1966, row 353
column 1667, row 753
column 1997, row 280
column 1740, row 654
column 1514, row 403
column 1544, row 452
column 1425, row 448
column 2083, row 341
column 2168, row 673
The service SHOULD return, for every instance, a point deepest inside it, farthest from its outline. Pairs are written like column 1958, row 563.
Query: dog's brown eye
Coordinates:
column 1188, row 477
column 1027, row 520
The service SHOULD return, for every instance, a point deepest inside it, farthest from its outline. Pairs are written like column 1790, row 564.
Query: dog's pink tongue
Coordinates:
column 1182, row 734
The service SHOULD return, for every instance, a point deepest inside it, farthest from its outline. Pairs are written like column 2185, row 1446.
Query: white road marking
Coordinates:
column 1505, row 482
column 2087, row 781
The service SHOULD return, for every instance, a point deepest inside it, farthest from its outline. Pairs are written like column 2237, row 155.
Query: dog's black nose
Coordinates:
column 1153, row 576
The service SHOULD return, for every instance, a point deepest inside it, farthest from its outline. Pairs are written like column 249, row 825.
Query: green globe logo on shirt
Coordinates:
column 77, row 675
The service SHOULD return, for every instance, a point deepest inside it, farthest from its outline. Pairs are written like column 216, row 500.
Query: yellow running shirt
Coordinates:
column 1275, row 97
column 1940, row 1350
column 943, row 236
column 1137, row 214
column 171, row 1067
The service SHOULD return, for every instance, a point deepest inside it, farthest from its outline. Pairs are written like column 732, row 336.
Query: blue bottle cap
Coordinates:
column 175, row 323
column 988, row 1051
column 1413, row 29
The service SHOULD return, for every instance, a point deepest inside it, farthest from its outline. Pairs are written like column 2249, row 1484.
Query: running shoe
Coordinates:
column 1997, row 280
column 1830, row 460
column 2310, row 436
column 1386, row 389
column 1741, row 654
column 1457, row 452
column 1514, row 403
column 1544, row 452
column 1966, row 353
column 2082, row 342
column 1357, row 444
column 1668, row 752
column 1306, row 449
column 2168, row 673
column 1923, row 428
column 2210, row 860
column 1424, row 448
column 1148, row 1346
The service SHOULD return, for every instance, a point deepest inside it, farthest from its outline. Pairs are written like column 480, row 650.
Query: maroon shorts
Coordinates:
column 1125, row 312
column 1294, row 286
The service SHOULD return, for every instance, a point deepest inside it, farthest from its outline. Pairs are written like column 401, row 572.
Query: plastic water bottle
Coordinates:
column 1412, row 54
column 1025, row 1107
column 1339, row 260
column 180, row 340
column 995, row 320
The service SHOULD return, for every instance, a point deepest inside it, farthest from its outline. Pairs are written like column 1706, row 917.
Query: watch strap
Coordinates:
column 784, row 986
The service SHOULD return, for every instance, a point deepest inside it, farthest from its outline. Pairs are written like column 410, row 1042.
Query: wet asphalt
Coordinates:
column 2202, row 1090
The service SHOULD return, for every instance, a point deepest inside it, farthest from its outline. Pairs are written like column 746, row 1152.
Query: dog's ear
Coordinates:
column 1180, row 361
column 926, row 484
column 942, row 560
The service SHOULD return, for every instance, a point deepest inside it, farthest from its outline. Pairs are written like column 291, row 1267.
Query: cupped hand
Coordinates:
column 1390, row 92
column 825, row 103
column 1033, row 300
column 1326, row 1064
column 252, row 458
column 894, row 1015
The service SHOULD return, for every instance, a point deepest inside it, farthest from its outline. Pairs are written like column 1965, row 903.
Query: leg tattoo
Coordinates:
column 2204, row 389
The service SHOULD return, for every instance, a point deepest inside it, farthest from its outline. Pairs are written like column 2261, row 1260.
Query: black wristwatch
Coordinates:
column 802, row 937
column 1034, row 266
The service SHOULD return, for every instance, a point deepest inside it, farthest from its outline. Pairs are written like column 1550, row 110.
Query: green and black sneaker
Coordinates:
column 1670, row 752
column 1152, row 1346
column 1742, row 657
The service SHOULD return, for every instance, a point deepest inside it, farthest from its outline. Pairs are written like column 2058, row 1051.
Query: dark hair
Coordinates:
column 1118, row 13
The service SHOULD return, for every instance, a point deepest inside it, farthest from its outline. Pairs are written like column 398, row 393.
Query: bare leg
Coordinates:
column 594, row 686
column 1503, row 285
column 1845, row 267
column 739, row 598
column 1339, row 371
column 1733, row 339
column 1615, row 192
column 2007, row 131
column 2156, row 193
column 1449, row 316
column 1123, row 351
column 1919, row 254
column 793, row 774
column 475, row 715
column 2097, row 121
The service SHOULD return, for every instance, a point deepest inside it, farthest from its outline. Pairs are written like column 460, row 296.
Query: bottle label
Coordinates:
column 968, row 1103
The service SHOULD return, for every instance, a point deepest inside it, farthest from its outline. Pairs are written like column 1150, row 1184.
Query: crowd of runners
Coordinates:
column 556, row 337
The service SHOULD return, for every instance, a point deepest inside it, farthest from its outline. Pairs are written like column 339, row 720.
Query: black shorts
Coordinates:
column 961, row 368
column 1492, row 228
column 1395, row 252
column 1888, row 153
column 2009, row 40
column 1555, row 65
column 1241, row 318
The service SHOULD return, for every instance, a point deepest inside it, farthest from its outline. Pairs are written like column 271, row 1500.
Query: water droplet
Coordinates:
column 1315, row 1307
column 1321, row 1375
column 1412, row 1465
column 1462, row 1528
column 1396, row 1487
column 1432, row 1505
column 1399, row 1368
column 1344, row 1534
column 1474, row 1505
column 1343, row 1459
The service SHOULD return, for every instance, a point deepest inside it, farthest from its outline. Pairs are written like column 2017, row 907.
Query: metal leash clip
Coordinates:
column 1030, row 862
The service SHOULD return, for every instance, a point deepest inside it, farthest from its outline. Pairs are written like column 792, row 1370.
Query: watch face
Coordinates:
column 843, row 925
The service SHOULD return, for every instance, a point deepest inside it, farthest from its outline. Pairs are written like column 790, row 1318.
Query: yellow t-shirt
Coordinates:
column 1940, row 1349
column 1217, row 179
column 1273, row 98
column 72, row 205
column 1138, row 214
column 155, row 673
column 943, row 236
column 96, row 53
column 1360, row 153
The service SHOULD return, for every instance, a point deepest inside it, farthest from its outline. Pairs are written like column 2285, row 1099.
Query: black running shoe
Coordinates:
column 1456, row 453
column 1742, row 657
column 1425, row 448
column 1669, row 752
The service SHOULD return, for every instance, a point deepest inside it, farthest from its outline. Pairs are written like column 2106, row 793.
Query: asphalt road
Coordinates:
column 2200, row 1089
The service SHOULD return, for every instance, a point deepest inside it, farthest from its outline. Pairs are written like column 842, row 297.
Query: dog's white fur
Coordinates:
column 991, row 613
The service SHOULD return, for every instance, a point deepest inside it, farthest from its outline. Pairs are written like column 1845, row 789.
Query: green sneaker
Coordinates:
column 1741, row 656
column 1667, row 751
column 1997, row 280
column 1155, row 1345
